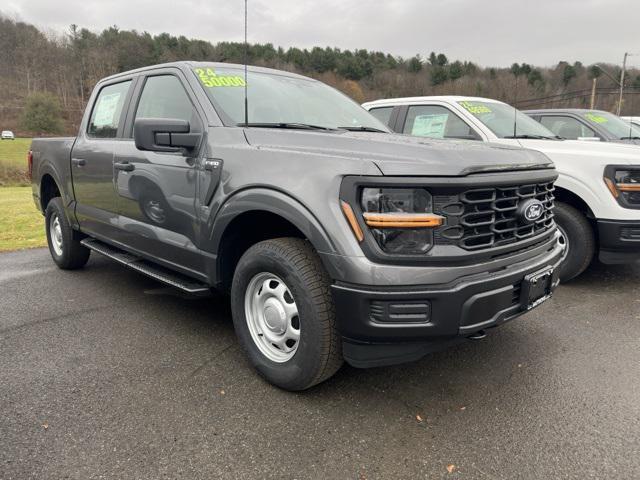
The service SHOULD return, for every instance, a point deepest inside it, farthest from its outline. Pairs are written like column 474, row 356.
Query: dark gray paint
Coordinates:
column 296, row 174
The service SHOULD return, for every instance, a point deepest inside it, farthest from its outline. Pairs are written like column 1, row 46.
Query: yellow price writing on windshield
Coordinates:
column 596, row 118
column 475, row 108
column 209, row 78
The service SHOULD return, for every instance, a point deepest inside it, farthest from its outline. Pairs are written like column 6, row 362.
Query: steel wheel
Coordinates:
column 55, row 231
column 272, row 317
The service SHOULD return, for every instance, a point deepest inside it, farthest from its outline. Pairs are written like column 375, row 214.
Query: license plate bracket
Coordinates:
column 537, row 287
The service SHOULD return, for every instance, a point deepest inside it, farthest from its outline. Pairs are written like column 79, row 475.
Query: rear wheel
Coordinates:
column 283, row 313
column 64, row 247
column 578, row 239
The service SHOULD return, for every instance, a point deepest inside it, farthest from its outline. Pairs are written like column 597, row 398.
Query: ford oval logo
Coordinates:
column 531, row 210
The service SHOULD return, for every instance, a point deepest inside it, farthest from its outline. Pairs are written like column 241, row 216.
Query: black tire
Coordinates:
column 319, row 351
column 71, row 254
column 580, row 241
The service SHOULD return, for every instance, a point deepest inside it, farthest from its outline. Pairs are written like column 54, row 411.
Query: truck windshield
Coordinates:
column 282, row 101
column 500, row 118
column 613, row 124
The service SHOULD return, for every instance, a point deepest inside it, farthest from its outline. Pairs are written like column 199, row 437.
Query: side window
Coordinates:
column 163, row 96
column 434, row 121
column 107, row 110
column 567, row 127
column 383, row 114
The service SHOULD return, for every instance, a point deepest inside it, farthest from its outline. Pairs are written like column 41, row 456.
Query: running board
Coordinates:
column 152, row 270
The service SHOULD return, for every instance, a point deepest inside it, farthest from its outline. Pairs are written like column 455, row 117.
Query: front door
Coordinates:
column 92, row 160
column 156, row 191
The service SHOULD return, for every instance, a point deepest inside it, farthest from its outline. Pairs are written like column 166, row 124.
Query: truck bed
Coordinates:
column 53, row 156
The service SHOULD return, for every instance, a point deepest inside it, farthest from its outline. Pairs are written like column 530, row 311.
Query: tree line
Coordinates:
column 47, row 77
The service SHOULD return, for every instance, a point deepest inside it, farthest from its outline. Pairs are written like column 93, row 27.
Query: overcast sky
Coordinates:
column 488, row 32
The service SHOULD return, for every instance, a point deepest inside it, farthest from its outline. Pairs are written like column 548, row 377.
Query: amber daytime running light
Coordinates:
column 402, row 220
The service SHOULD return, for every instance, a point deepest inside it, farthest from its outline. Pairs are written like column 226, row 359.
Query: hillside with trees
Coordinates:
column 46, row 78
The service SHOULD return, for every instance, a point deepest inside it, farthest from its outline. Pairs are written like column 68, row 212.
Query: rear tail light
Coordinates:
column 30, row 164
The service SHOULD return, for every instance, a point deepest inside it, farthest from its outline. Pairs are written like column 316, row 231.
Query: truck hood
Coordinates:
column 599, row 152
column 396, row 154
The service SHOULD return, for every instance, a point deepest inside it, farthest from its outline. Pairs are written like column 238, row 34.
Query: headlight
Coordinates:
column 400, row 219
column 624, row 184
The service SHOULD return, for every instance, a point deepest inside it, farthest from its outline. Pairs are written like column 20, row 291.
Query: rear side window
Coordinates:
column 567, row 127
column 164, row 96
column 383, row 114
column 434, row 121
column 107, row 111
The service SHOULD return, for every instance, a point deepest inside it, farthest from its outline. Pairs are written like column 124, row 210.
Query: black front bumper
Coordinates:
column 390, row 325
column 619, row 241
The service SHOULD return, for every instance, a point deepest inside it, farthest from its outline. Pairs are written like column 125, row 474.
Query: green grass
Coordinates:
column 21, row 225
column 13, row 161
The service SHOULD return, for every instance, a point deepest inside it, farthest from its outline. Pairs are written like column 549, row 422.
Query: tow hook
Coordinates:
column 479, row 335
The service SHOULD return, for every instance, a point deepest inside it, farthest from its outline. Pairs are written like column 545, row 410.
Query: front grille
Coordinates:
column 489, row 217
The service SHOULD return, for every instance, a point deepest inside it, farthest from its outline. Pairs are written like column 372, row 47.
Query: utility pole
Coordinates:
column 624, row 68
column 593, row 94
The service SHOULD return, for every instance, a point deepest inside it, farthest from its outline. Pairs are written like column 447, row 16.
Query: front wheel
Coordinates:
column 576, row 235
column 65, row 248
column 283, row 313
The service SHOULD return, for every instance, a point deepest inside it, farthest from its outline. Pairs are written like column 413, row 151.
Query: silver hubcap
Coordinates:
column 55, row 232
column 564, row 241
column 272, row 317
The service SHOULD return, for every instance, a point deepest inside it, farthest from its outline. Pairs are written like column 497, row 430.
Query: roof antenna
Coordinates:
column 246, row 56
column 515, row 111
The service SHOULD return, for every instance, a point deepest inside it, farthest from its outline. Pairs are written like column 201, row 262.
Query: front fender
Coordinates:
column 276, row 202
column 597, row 197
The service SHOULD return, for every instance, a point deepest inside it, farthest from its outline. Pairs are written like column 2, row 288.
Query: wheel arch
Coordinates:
column 260, row 214
column 49, row 189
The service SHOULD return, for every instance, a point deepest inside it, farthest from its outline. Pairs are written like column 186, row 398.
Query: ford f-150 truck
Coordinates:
column 589, row 125
column 598, row 189
column 335, row 238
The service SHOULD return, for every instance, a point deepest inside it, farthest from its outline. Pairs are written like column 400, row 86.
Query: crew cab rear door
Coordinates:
column 156, row 191
column 92, row 157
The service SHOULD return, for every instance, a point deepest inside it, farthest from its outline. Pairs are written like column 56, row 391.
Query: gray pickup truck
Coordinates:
column 336, row 239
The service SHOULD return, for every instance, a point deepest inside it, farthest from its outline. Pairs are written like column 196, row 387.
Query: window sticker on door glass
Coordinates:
column 106, row 110
column 595, row 118
column 430, row 125
column 475, row 108
column 209, row 78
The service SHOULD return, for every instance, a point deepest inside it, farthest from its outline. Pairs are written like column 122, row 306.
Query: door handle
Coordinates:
column 124, row 166
column 78, row 162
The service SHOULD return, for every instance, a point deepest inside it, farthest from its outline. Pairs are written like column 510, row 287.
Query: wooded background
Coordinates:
column 56, row 71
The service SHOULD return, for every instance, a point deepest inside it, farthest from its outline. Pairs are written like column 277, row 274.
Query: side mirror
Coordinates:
column 164, row 135
column 589, row 139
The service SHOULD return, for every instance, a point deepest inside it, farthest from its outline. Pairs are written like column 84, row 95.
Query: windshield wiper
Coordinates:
column 533, row 137
column 294, row 126
column 630, row 138
column 362, row 128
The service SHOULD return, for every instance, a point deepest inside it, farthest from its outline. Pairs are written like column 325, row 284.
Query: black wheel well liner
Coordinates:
column 258, row 214
column 566, row 196
column 49, row 189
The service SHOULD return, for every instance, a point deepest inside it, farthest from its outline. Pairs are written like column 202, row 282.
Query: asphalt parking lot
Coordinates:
column 108, row 374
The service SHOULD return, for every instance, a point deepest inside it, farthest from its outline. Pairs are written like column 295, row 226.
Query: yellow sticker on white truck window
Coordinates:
column 595, row 118
column 209, row 78
column 475, row 108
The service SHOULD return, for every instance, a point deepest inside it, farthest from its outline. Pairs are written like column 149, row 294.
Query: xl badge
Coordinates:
column 530, row 211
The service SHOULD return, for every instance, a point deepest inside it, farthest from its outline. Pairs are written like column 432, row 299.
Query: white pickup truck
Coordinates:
column 597, row 193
